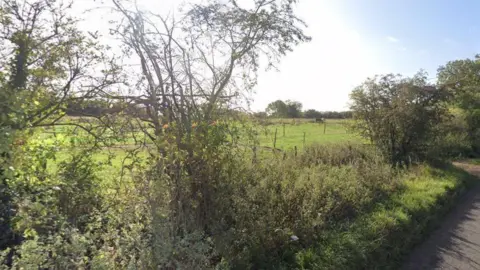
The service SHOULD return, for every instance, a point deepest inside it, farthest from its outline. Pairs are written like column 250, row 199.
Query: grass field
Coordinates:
column 289, row 133
column 300, row 134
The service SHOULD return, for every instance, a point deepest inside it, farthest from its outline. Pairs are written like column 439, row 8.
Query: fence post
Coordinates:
column 283, row 129
column 324, row 127
column 304, row 139
column 275, row 139
column 295, row 151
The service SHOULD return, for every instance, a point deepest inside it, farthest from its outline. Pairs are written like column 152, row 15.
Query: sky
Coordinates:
column 356, row 39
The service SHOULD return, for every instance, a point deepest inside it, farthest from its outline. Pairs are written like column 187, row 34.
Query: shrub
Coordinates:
column 272, row 203
column 381, row 237
column 454, row 142
column 338, row 155
column 399, row 115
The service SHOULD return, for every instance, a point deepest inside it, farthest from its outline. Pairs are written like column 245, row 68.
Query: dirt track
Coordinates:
column 456, row 243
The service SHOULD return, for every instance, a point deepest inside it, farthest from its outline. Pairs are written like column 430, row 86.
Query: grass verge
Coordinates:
column 381, row 238
column 475, row 161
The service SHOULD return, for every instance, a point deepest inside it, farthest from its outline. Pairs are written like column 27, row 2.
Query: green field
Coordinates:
column 293, row 133
column 289, row 133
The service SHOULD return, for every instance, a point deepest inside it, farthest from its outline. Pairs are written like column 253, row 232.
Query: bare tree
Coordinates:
column 194, row 66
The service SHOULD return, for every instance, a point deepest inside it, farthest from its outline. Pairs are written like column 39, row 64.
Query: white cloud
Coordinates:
column 392, row 39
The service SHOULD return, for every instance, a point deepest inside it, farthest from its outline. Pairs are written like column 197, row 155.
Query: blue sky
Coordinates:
column 354, row 39
column 430, row 32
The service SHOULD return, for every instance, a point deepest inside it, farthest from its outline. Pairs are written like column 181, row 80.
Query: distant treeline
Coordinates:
column 309, row 114
column 293, row 109
column 327, row 114
column 96, row 108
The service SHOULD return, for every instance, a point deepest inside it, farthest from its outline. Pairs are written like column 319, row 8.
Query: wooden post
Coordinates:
column 295, row 151
column 275, row 139
column 304, row 133
column 324, row 127
column 283, row 129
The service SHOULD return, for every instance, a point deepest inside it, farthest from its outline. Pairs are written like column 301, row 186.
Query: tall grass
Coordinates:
column 278, row 206
column 381, row 237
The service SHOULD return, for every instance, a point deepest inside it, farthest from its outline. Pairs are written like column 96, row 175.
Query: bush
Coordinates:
column 53, row 209
column 272, row 203
column 339, row 155
column 454, row 142
column 380, row 238
column 399, row 115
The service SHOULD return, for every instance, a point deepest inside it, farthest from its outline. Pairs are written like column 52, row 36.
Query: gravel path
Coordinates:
column 456, row 243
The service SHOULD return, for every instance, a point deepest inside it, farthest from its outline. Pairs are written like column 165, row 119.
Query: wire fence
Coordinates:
column 283, row 135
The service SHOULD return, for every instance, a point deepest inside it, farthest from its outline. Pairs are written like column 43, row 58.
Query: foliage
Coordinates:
column 6, row 173
column 399, row 115
column 44, row 56
column 287, row 109
column 50, row 57
column 277, row 109
column 381, row 237
column 462, row 80
column 337, row 115
column 260, row 115
column 454, row 142
column 312, row 114
column 294, row 109
column 292, row 199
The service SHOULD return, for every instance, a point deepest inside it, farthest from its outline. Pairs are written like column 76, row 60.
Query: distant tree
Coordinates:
column 347, row 114
column 311, row 113
column 277, row 109
column 260, row 115
column 294, row 109
column 284, row 109
column 462, row 79
column 399, row 114
column 328, row 114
